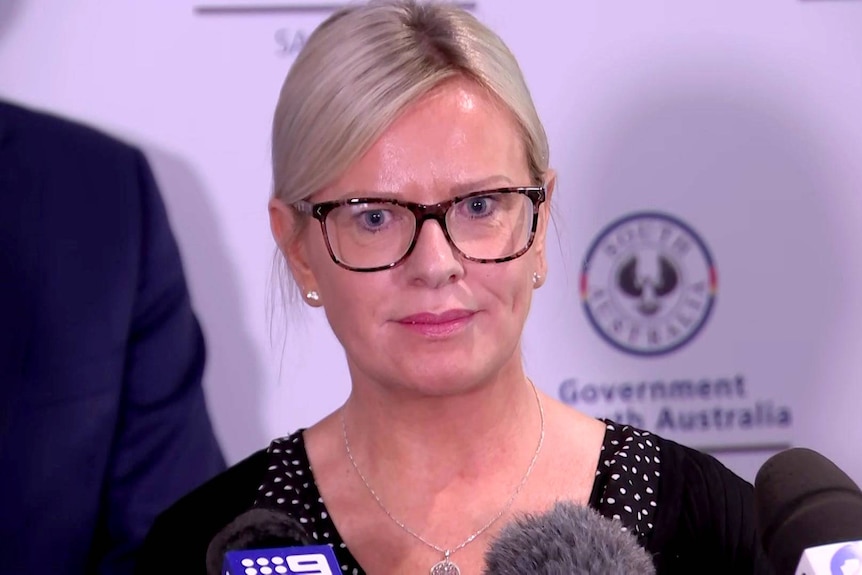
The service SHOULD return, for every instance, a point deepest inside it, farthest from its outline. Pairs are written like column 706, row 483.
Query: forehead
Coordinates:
column 455, row 136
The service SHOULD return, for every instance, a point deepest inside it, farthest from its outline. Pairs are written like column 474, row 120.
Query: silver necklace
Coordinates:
column 445, row 566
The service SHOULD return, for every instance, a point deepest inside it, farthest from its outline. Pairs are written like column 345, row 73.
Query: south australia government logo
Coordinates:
column 648, row 283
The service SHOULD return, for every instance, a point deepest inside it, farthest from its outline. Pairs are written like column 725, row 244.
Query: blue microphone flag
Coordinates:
column 308, row 560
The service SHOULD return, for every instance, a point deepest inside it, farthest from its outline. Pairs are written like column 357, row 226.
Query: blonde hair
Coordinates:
column 357, row 73
column 364, row 65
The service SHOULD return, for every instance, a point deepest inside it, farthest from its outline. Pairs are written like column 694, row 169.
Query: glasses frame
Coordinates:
column 422, row 213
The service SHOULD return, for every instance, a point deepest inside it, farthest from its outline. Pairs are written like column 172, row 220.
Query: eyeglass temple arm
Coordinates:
column 304, row 207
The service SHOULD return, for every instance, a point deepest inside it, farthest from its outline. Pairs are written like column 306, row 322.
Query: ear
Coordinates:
column 540, row 241
column 284, row 222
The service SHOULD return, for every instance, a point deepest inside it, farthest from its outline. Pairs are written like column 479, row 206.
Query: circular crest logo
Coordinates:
column 648, row 283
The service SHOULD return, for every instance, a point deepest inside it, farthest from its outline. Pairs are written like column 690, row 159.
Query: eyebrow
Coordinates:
column 477, row 185
column 456, row 190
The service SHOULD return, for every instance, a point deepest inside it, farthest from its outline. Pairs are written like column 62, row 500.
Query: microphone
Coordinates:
column 267, row 542
column 569, row 539
column 809, row 515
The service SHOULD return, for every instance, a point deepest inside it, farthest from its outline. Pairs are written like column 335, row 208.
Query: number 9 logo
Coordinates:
column 311, row 564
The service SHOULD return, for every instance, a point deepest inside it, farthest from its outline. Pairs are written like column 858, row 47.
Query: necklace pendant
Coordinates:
column 445, row 567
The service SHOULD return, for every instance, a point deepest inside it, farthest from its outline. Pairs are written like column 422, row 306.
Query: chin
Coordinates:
column 440, row 380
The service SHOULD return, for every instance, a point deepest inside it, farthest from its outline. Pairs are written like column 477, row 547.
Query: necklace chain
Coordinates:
column 448, row 552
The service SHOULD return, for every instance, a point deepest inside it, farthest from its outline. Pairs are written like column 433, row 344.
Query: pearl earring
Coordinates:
column 312, row 295
column 536, row 278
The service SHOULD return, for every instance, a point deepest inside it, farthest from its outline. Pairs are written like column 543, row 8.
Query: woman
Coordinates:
column 411, row 201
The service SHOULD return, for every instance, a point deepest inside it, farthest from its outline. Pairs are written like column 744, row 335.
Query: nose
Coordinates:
column 434, row 262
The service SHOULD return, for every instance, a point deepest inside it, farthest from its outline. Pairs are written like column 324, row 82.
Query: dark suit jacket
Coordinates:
column 102, row 417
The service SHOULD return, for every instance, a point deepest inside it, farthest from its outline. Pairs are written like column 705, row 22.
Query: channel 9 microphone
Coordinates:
column 569, row 539
column 267, row 542
column 809, row 515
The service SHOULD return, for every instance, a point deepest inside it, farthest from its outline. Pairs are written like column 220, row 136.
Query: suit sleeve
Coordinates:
column 164, row 445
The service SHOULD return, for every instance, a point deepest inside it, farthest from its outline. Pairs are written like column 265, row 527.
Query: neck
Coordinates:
column 433, row 441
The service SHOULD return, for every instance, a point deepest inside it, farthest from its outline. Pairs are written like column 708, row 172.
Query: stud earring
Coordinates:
column 536, row 278
column 312, row 295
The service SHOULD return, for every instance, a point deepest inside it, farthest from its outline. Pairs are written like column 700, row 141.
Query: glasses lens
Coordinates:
column 369, row 235
column 491, row 226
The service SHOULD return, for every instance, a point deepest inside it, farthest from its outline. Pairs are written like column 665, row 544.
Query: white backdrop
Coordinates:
column 742, row 120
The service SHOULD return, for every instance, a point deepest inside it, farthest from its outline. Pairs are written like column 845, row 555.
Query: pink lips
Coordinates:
column 438, row 324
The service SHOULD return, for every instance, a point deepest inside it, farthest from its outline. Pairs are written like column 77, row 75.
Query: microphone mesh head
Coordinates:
column 569, row 539
column 255, row 529
column 803, row 500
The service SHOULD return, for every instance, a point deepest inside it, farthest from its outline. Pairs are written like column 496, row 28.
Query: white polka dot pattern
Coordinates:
column 627, row 477
column 289, row 486
column 626, row 483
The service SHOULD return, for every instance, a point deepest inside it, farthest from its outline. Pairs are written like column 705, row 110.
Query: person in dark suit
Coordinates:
column 103, row 422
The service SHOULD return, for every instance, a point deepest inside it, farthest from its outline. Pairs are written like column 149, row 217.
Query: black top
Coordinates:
column 689, row 511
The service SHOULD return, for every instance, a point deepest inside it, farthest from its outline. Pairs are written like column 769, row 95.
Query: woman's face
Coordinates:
column 437, row 323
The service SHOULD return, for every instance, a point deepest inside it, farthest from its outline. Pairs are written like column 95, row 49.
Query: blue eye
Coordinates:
column 373, row 219
column 479, row 206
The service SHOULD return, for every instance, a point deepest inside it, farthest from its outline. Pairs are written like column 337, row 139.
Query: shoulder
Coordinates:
column 685, row 506
column 56, row 153
column 183, row 532
column 705, row 514
column 27, row 126
column 674, row 470
column 692, row 477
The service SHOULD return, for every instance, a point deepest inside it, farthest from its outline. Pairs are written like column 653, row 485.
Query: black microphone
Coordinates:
column 569, row 539
column 255, row 529
column 804, row 502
